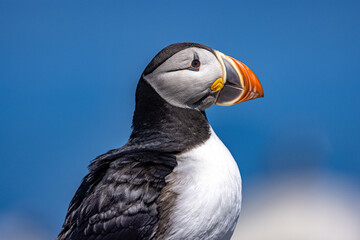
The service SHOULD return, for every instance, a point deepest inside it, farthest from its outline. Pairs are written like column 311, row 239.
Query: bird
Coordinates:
column 174, row 178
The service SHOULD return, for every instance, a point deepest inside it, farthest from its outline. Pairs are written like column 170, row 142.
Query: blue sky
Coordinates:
column 68, row 72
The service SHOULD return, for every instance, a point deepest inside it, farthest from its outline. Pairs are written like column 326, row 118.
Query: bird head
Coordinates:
column 192, row 75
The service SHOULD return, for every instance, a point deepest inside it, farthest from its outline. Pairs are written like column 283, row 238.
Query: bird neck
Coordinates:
column 160, row 126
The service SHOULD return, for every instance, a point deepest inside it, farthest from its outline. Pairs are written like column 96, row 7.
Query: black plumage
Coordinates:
column 124, row 195
column 119, row 202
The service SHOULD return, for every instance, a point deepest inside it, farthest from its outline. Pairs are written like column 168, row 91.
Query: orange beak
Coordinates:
column 240, row 83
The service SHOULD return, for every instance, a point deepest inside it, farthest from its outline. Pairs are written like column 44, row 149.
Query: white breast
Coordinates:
column 208, row 183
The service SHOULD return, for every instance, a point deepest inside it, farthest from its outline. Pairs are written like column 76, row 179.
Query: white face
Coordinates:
column 183, row 86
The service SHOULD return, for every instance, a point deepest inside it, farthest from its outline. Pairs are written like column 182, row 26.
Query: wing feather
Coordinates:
column 118, row 198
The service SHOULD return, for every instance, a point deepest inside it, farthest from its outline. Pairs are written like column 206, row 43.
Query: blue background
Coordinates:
column 69, row 69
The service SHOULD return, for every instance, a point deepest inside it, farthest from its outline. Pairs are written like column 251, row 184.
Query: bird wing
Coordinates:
column 118, row 198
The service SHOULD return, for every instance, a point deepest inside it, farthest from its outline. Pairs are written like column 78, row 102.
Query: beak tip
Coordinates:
column 261, row 95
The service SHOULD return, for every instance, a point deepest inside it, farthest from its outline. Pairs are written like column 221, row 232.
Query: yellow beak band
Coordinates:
column 217, row 85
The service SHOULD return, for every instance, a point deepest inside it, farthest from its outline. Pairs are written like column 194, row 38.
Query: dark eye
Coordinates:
column 195, row 64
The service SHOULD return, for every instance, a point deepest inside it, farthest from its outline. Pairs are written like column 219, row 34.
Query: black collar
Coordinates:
column 160, row 126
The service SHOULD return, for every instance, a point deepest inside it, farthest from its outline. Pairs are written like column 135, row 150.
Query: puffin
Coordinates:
column 173, row 179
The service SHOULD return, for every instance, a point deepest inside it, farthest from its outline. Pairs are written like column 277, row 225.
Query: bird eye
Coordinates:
column 195, row 64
